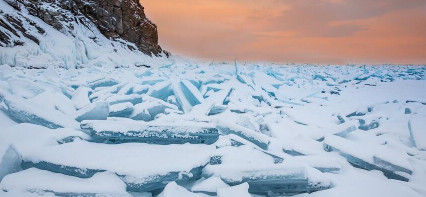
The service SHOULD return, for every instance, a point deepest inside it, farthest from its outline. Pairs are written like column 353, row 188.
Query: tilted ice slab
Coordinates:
column 142, row 167
column 275, row 179
column 154, row 133
column 417, row 126
column 94, row 111
column 27, row 111
column 392, row 163
column 24, row 138
column 254, row 137
column 236, row 165
column 121, row 110
column 35, row 180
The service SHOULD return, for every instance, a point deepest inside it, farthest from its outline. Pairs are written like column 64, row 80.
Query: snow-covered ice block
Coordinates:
column 24, row 138
column 10, row 162
column 132, row 98
column 172, row 189
column 142, row 167
column 276, row 180
column 392, row 163
column 252, row 136
column 35, row 180
column 417, row 127
column 209, row 185
column 104, row 82
column 191, row 92
column 80, row 98
column 121, row 110
column 217, row 109
column 149, row 108
column 161, row 90
column 237, row 190
column 154, row 183
column 94, row 111
column 23, row 111
column 156, row 133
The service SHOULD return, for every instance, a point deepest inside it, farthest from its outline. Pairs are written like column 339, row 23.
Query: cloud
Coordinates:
column 326, row 31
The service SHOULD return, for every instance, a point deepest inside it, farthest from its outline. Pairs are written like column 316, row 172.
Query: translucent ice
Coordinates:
column 10, row 162
column 250, row 135
column 393, row 164
column 94, row 111
column 121, row 110
column 35, row 180
column 22, row 111
column 134, row 131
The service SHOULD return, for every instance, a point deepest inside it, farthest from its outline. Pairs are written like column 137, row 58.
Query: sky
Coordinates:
column 301, row 31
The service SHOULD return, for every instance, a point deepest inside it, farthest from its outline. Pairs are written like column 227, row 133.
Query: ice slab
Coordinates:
column 23, row 111
column 132, row 98
column 275, row 180
column 150, row 108
column 243, row 154
column 252, row 136
column 94, row 111
column 103, row 82
column 142, row 167
column 10, row 162
column 417, row 127
column 121, row 110
column 237, row 190
column 35, row 180
column 393, row 164
column 161, row 90
column 217, row 109
column 80, row 98
column 156, row 133
column 209, row 185
column 172, row 189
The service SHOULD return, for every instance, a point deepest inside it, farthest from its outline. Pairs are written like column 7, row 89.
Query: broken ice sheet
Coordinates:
column 273, row 179
column 156, row 133
column 149, row 108
column 417, row 128
column 128, row 161
column 94, row 111
column 35, row 180
column 209, row 185
column 26, row 111
column 254, row 137
column 392, row 163
column 121, row 110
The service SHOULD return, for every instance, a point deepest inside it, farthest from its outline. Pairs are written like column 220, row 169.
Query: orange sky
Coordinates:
column 311, row 31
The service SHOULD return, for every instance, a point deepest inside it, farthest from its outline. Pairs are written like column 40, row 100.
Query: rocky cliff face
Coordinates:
column 123, row 21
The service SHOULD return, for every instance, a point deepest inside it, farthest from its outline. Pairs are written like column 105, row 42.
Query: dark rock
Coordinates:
column 115, row 19
column 120, row 20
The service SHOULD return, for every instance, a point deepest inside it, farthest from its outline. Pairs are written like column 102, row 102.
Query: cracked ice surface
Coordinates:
column 194, row 128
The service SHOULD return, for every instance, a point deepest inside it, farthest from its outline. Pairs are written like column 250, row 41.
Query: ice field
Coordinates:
column 228, row 129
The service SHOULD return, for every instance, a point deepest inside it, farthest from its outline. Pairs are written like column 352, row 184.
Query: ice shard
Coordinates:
column 143, row 167
column 252, row 136
column 37, row 181
column 10, row 162
column 277, row 180
column 394, row 165
column 136, row 131
column 22, row 111
column 121, row 110
column 94, row 111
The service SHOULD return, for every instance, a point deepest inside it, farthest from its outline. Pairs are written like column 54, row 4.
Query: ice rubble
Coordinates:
column 213, row 129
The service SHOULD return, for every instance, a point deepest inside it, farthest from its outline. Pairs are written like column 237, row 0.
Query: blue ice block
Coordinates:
column 136, row 131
